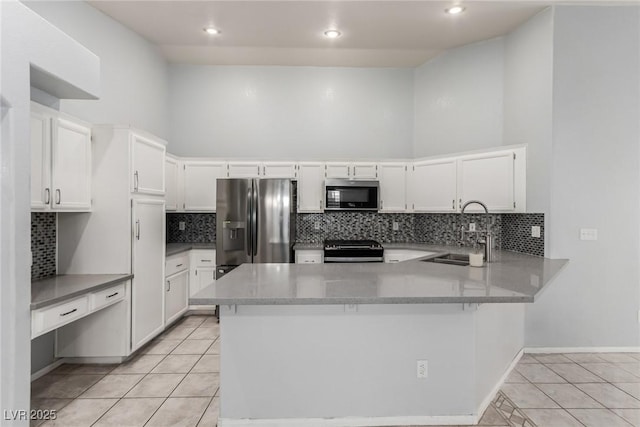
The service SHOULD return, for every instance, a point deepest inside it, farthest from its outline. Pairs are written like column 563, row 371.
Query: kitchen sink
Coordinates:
column 452, row 259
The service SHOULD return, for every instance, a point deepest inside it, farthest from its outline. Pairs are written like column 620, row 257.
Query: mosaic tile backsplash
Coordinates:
column 43, row 244
column 511, row 231
column 199, row 228
column 516, row 233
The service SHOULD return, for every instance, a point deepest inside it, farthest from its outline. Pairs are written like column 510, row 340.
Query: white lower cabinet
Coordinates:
column 309, row 256
column 400, row 255
column 176, row 296
column 203, row 269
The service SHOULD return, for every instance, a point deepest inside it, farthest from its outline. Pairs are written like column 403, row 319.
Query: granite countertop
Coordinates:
column 59, row 288
column 513, row 278
column 176, row 248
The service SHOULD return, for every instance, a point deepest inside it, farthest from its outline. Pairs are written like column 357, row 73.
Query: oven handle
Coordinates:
column 353, row 259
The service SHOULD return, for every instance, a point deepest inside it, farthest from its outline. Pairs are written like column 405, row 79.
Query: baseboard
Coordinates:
column 349, row 421
column 489, row 398
column 109, row 360
column 538, row 350
column 199, row 310
column 44, row 371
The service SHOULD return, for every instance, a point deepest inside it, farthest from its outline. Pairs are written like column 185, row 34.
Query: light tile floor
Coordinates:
column 174, row 382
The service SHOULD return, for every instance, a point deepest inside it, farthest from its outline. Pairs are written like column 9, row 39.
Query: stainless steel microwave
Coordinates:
column 351, row 195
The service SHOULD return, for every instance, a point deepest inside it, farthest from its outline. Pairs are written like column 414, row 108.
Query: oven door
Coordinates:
column 344, row 195
column 353, row 255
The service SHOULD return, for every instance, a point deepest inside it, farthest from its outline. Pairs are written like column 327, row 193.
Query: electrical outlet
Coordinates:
column 535, row 231
column 181, row 226
column 422, row 369
column 396, row 226
column 316, row 225
column 472, row 226
column 588, row 234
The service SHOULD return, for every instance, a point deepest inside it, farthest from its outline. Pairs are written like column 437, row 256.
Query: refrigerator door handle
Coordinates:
column 254, row 225
column 249, row 227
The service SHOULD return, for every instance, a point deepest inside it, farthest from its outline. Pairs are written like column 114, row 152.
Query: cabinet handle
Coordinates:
column 453, row 204
column 264, row 170
column 68, row 312
column 135, row 181
column 460, row 205
column 179, row 265
column 113, row 295
column 258, row 170
column 58, row 196
column 47, row 196
column 205, row 260
column 138, row 229
column 381, row 204
column 168, row 285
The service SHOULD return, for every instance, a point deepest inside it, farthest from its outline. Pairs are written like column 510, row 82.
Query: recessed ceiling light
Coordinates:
column 332, row 34
column 211, row 31
column 454, row 10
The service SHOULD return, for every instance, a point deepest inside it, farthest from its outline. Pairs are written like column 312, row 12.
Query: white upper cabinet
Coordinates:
column 40, row 161
column 244, row 169
column 147, row 161
column 348, row 170
column 392, row 187
column 488, row 178
column 71, row 154
column 364, row 171
column 310, row 187
column 279, row 170
column 432, row 186
column 199, row 189
column 60, row 161
column 171, row 175
column 337, row 170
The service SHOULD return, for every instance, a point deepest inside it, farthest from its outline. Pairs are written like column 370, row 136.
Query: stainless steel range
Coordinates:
column 353, row 251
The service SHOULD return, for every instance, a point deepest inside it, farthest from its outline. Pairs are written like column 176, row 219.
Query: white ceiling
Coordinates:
column 374, row 33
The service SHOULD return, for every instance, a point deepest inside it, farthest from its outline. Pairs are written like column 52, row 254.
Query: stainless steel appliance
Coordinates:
column 351, row 195
column 255, row 222
column 353, row 251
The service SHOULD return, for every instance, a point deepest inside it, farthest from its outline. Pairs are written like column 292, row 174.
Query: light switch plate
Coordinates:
column 181, row 225
column 588, row 234
column 535, row 231
column 316, row 225
column 472, row 226
column 422, row 370
column 396, row 226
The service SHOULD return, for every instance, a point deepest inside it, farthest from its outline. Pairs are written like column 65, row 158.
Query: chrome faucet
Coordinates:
column 488, row 237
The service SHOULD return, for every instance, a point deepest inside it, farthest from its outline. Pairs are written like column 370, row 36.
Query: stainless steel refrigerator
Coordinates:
column 255, row 222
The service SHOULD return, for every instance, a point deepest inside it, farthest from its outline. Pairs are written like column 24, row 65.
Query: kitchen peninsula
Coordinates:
column 343, row 344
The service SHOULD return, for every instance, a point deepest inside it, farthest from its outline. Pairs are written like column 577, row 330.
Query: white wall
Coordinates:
column 26, row 40
column 528, row 84
column 291, row 112
column 594, row 181
column 134, row 75
column 459, row 100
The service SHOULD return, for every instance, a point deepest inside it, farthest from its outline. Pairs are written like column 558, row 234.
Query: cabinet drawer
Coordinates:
column 203, row 257
column 176, row 264
column 49, row 318
column 102, row 298
column 309, row 258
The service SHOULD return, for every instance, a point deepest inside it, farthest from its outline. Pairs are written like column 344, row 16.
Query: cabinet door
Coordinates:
column 171, row 184
column 364, row 171
column 244, row 170
column 176, row 298
column 71, row 155
column 392, row 187
column 433, row 186
column 338, row 170
column 279, row 170
column 147, row 160
column 40, row 161
column 310, row 187
column 205, row 277
column 489, row 179
column 200, row 184
column 147, row 291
